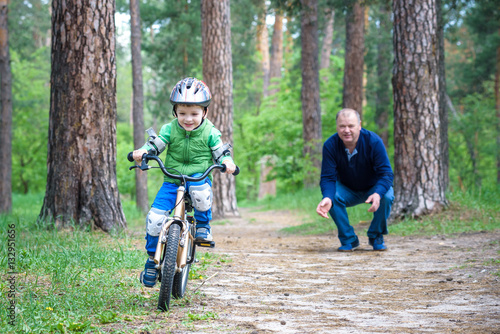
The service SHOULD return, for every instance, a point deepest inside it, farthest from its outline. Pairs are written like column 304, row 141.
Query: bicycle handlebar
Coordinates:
column 147, row 157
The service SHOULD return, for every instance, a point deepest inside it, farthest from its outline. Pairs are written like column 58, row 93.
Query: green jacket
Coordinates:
column 189, row 152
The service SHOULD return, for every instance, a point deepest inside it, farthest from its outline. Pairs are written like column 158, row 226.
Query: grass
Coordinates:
column 69, row 280
column 74, row 280
column 468, row 212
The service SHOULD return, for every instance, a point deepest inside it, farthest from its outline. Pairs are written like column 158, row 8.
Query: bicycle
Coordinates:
column 176, row 248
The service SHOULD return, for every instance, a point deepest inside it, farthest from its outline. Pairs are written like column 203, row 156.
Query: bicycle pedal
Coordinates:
column 209, row 244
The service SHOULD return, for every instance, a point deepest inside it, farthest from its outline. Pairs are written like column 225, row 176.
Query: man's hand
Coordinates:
column 374, row 199
column 138, row 154
column 323, row 207
column 230, row 166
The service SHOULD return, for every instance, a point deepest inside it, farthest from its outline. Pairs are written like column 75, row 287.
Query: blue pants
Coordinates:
column 344, row 198
column 165, row 200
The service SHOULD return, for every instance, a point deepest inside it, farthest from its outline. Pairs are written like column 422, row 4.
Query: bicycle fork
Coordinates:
column 182, row 250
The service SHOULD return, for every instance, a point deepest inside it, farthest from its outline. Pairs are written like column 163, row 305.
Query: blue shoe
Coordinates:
column 349, row 247
column 203, row 234
column 149, row 275
column 377, row 243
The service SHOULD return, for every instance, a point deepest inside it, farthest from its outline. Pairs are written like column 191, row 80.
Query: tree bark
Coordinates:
column 276, row 53
column 326, row 49
column 419, row 187
column 383, row 92
column 311, row 108
column 6, row 119
column 141, row 180
column 263, row 46
column 218, row 75
column 81, row 164
column 354, row 58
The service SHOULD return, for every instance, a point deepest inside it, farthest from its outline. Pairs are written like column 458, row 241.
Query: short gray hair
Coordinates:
column 346, row 111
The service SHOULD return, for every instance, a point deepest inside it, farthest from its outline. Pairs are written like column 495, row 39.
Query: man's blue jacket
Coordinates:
column 369, row 167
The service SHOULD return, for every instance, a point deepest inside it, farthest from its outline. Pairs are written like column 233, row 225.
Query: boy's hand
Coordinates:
column 230, row 166
column 138, row 154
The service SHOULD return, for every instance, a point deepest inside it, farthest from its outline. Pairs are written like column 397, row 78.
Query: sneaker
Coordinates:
column 349, row 247
column 203, row 234
column 377, row 243
column 149, row 275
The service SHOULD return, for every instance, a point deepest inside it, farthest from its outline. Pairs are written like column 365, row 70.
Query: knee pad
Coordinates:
column 201, row 197
column 154, row 221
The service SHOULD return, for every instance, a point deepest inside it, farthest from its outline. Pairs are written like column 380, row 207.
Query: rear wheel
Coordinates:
column 181, row 279
column 168, row 267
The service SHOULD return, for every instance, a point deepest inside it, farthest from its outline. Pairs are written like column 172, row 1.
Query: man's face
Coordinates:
column 348, row 128
column 189, row 116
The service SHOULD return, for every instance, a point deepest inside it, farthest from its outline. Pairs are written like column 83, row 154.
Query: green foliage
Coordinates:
column 172, row 47
column 275, row 130
column 474, row 39
column 30, row 104
column 123, row 89
column 29, row 26
column 472, row 162
column 124, row 145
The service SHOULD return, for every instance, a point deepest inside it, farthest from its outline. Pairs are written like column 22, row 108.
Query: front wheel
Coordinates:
column 180, row 279
column 168, row 267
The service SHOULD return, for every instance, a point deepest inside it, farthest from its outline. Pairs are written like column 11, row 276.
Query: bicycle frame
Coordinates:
column 178, row 217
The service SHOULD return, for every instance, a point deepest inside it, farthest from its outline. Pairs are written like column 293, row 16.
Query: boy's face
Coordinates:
column 189, row 116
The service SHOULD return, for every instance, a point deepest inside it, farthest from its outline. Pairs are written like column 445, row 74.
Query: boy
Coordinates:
column 192, row 143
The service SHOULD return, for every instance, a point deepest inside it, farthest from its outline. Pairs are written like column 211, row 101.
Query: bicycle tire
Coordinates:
column 181, row 279
column 168, row 267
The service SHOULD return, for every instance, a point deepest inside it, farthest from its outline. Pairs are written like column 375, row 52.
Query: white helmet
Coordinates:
column 191, row 91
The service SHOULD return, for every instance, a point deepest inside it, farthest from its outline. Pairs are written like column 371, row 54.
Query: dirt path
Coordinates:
column 279, row 283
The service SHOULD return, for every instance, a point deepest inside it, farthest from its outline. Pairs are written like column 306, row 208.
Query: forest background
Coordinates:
column 264, row 126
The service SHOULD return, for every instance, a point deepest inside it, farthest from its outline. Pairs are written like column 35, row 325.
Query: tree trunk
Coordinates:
column 443, row 112
column 383, row 92
column 419, row 187
column 326, row 49
column 276, row 53
column 311, row 108
column 141, row 180
column 81, row 164
column 354, row 58
column 288, row 62
column 6, row 119
column 263, row 46
column 218, row 75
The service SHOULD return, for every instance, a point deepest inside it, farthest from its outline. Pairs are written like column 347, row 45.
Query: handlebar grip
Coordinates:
column 130, row 156
column 236, row 172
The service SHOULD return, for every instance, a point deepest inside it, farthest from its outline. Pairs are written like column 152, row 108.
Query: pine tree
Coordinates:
column 81, row 164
